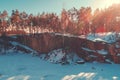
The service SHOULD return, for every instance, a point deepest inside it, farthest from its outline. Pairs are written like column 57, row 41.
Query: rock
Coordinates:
column 116, row 59
column 47, row 42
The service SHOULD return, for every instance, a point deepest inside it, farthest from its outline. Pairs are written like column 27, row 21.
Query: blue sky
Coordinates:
column 35, row 6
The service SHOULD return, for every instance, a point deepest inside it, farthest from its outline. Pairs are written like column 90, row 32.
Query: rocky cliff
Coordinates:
column 86, row 49
column 89, row 50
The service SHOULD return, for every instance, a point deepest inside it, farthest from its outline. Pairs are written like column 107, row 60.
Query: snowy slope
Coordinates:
column 62, row 57
column 7, row 46
column 19, row 66
column 109, row 37
column 23, row 46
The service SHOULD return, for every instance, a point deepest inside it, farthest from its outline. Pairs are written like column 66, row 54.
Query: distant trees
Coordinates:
column 3, row 20
column 84, row 19
column 75, row 21
column 106, row 20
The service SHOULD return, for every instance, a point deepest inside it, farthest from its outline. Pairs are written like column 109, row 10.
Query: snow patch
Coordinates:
column 103, row 52
column 80, row 76
column 23, row 46
column 109, row 37
column 20, row 77
column 60, row 56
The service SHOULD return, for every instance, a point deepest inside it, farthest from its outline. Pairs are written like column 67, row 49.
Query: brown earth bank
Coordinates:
column 89, row 50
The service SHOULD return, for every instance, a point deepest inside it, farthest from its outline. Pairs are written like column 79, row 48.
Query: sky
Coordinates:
column 38, row 6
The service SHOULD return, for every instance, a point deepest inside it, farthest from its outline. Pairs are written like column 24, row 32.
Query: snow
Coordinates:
column 102, row 52
column 82, row 75
column 16, row 43
column 109, row 37
column 70, row 35
column 19, row 66
column 56, row 55
column 26, row 47
column 118, row 54
column 87, row 49
column 60, row 56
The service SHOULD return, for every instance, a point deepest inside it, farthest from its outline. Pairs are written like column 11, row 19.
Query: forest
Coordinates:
column 73, row 21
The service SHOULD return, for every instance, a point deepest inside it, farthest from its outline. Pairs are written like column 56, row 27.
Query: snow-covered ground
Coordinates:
column 19, row 66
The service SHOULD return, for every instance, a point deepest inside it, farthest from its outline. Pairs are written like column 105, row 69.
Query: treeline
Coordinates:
column 75, row 21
